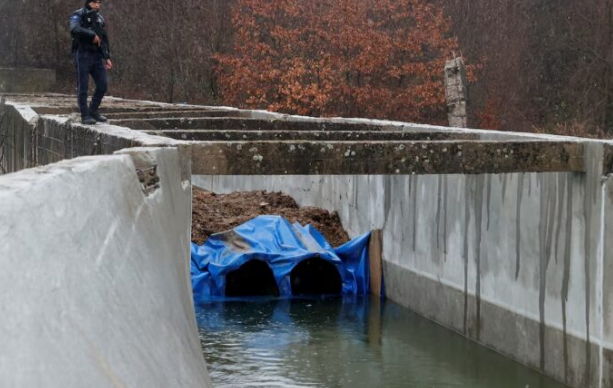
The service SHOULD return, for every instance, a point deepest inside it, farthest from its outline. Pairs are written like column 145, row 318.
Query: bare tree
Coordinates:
column 546, row 62
column 170, row 59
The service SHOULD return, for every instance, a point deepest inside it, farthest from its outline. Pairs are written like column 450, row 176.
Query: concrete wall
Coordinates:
column 26, row 80
column 513, row 261
column 605, row 279
column 17, row 138
column 517, row 262
column 29, row 140
column 98, row 296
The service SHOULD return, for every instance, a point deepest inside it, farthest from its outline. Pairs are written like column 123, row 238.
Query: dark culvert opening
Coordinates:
column 315, row 277
column 254, row 278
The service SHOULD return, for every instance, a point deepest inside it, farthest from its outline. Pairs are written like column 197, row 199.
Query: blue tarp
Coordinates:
column 282, row 246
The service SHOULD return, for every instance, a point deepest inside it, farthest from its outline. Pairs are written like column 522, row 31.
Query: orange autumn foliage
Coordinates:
column 368, row 58
column 488, row 117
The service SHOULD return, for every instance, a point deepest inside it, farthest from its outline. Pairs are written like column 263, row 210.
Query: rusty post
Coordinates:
column 375, row 254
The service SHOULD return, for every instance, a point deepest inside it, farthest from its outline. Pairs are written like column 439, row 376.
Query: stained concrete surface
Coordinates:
column 384, row 157
column 247, row 124
column 238, row 135
column 502, row 259
column 98, row 296
column 170, row 114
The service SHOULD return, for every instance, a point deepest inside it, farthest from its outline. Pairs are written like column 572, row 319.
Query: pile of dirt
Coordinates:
column 212, row 213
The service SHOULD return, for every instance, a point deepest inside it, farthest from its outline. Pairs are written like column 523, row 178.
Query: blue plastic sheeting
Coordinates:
column 282, row 246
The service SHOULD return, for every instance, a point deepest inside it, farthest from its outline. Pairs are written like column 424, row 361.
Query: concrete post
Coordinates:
column 456, row 92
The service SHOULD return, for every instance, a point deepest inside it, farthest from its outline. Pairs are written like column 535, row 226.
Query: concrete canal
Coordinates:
column 351, row 342
column 500, row 237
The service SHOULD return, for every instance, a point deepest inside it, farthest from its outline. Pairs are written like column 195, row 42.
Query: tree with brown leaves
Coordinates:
column 372, row 58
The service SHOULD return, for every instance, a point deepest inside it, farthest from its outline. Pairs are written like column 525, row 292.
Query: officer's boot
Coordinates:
column 88, row 120
column 97, row 116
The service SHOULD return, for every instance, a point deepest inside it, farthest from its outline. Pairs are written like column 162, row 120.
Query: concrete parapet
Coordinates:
column 98, row 296
column 238, row 135
column 28, row 139
column 191, row 113
column 384, row 157
column 247, row 124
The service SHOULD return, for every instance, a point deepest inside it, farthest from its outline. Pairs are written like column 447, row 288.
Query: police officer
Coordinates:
column 92, row 56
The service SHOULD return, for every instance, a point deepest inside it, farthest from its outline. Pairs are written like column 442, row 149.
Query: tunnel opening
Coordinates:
column 315, row 277
column 254, row 278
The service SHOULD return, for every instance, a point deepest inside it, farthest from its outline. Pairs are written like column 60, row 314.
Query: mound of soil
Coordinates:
column 212, row 213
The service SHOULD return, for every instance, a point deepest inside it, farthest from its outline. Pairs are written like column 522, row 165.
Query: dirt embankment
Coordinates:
column 212, row 213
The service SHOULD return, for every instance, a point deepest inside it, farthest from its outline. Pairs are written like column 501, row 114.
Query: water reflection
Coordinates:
column 345, row 342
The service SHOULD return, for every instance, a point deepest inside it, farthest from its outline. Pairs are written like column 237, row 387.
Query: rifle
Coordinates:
column 91, row 23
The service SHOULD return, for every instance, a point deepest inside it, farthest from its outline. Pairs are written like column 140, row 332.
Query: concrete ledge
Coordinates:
column 192, row 113
column 29, row 140
column 238, row 135
column 248, row 124
column 58, row 139
column 372, row 158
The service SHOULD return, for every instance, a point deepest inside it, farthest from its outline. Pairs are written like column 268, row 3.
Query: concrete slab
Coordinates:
column 108, row 109
column 381, row 157
column 248, row 124
column 167, row 114
column 239, row 135
column 59, row 104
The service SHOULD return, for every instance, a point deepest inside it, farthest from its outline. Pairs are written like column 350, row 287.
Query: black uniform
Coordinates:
column 89, row 58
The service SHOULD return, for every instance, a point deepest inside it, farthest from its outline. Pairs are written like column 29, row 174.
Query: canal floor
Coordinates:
column 353, row 342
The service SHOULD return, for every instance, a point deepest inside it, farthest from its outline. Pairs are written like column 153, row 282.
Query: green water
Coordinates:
column 345, row 343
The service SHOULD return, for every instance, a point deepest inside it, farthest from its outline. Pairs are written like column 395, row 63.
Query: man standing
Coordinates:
column 92, row 56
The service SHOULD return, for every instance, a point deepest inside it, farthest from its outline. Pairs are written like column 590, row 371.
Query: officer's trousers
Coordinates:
column 90, row 63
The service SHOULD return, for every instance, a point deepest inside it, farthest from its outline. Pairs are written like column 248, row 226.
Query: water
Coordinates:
column 345, row 343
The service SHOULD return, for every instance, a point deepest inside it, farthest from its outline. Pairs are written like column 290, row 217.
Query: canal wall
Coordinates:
column 517, row 262
column 29, row 139
column 95, row 288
